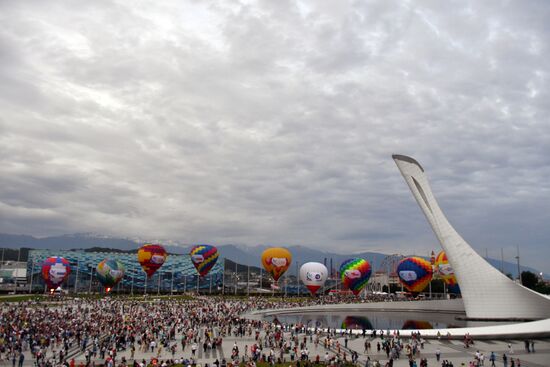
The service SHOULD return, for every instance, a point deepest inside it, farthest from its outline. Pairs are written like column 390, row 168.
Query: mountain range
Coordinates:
column 246, row 255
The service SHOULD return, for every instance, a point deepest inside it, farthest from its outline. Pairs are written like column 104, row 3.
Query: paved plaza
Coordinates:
column 452, row 350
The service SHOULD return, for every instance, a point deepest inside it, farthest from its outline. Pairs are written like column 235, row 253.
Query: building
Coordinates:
column 13, row 275
column 177, row 274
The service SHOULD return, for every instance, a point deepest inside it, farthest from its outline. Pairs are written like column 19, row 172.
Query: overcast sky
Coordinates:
column 273, row 122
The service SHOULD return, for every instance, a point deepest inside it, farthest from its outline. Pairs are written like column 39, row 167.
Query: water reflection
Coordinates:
column 416, row 325
column 356, row 322
column 377, row 320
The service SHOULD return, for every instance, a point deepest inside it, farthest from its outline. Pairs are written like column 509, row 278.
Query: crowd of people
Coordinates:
column 122, row 332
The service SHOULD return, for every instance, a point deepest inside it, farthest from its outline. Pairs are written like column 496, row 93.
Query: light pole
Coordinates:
column 91, row 278
column 133, row 277
column 172, row 281
column 297, row 279
column 286, row 283
column 519, row 271
column 76, row 279
column 236, row 277
column 32, row 273
column 16, row 272
column 158, row 286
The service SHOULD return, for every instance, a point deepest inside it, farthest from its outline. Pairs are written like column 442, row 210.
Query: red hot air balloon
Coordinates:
column 151, row 257
column 54, row 271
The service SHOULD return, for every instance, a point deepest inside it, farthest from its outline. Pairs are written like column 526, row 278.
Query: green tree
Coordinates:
column 529, row 279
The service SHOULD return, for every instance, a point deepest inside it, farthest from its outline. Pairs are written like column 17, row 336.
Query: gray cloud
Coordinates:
column 274, row 122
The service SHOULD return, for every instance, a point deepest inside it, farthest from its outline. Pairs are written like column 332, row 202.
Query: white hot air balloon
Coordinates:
column 313, row 275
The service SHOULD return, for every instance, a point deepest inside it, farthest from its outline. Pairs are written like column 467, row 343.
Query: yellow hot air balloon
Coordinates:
column 276, row 260
column 445, row 272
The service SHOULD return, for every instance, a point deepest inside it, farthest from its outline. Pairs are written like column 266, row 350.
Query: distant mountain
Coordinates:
column 245, row 255
column 78, row 241
column 65, row 242
column 105, row 249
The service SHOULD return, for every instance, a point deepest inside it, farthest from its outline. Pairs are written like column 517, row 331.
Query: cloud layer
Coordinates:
column 274, row 121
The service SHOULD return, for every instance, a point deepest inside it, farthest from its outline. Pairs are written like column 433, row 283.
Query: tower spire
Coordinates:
column 486, row 292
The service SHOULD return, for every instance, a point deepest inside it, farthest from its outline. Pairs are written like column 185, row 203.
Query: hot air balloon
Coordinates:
column 276, row 260
column 416, row 325
column 313, row 275
column 357, row 322
column 414, row 273
column 355, row 274
column 151, row 257
column 446, row 272
column 55, row 270
column 453, row 288
column 109, row 273
column 204, row 258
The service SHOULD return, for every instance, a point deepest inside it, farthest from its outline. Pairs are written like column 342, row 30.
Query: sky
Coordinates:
column 274, row 122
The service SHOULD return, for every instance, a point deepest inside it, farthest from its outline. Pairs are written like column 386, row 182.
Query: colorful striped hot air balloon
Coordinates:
column 355, row 274
column 445, row 271
column 276, row 260
column 204, row 258
column 109, row 273
column 414, row 273
column 453, row 288
column 151, row 257
column 55, row 270
column 416, row 325
column 357, row 322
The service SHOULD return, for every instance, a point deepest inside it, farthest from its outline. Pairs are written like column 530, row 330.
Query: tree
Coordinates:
column 529, row 279
column 532, row 281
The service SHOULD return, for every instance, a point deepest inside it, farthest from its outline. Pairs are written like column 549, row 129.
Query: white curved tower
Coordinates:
column 486, row 292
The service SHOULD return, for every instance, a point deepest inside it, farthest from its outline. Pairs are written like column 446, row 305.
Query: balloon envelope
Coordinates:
column 356, row 322
column 444, row 269
column 453, row 288
column 55, row 270
column 355, row 273
column 110, row 272
column 416, row 325
column 151, row 257
column 276, row 260
column 313, row 275
column 414, row 273
column 204, row 258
